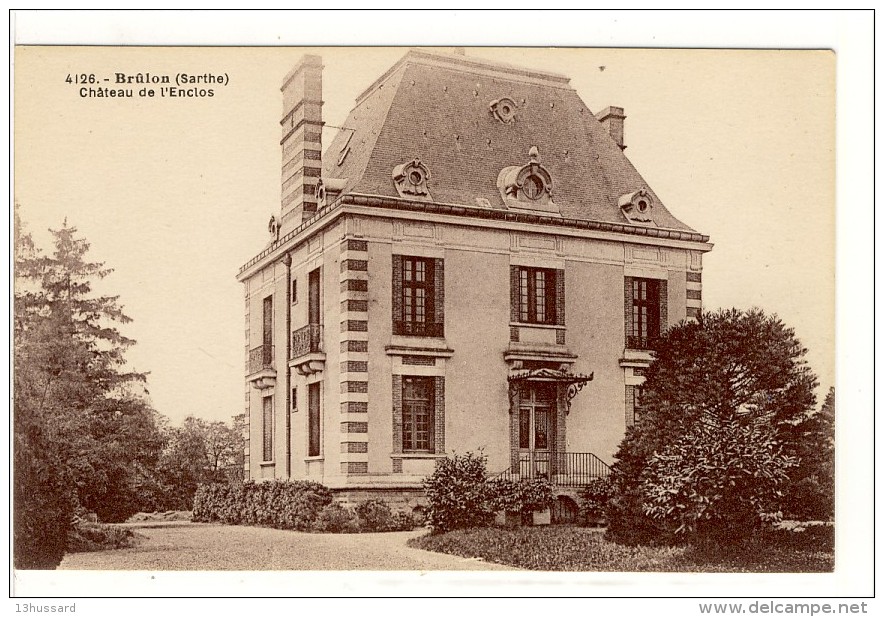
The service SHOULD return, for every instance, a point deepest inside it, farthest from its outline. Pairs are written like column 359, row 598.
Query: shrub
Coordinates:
column 374, row 515
column 403, row 521
column 87, row 537
column 594, row 499
column 279, row 504
column 457, row 494
column 717, row 484
column 334, row 518
column 522, row 497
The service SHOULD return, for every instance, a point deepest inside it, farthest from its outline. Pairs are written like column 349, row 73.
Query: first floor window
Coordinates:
column 644, row 311
column 267, row 417
column 537, row 295
column 418, row 296
column 313, row 420
column 418, row 414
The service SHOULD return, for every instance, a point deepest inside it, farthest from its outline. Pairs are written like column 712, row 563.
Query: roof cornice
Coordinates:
column 328, row 214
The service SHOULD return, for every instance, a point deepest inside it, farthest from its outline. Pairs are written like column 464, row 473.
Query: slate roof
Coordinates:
column 435, row 107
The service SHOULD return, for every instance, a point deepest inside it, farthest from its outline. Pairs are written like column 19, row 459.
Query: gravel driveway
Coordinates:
column 197, row 546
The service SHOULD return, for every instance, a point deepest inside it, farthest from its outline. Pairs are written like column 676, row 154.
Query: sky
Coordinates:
column 174, row 194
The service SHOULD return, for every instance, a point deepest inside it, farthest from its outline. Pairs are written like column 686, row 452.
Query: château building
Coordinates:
column 471, row 263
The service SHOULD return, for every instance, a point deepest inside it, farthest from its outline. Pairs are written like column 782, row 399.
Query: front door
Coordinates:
column 537, row 416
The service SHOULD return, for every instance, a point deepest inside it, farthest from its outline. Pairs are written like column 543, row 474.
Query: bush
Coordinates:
column 334, row 518
column 521, row 497
column 457, row 494
column 87, row 537
column 374, row 515
column 718, row 483
column 279, row 504
column 594, row 499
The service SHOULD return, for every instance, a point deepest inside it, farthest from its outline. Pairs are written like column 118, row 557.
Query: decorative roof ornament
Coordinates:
column 273, row 228
column 528, row 187
column 504, row 109
column 328, row 190
column 412, row 180
column 636, row 206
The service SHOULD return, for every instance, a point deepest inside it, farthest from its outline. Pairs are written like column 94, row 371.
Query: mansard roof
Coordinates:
column 436, row 108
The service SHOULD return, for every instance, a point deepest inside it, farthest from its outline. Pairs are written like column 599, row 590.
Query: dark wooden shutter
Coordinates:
column 397, row 294
column 439, row 296
column 560, row 297
column 514, row 293
column 627, row 308
column 663, row 294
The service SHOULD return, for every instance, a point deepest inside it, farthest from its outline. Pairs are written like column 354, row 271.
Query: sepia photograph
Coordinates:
column 478, row 311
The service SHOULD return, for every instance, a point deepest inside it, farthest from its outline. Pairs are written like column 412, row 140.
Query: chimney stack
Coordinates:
column 612, row 120
column 301, row 141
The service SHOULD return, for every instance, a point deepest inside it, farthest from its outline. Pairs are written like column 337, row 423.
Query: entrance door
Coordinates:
column 537, row 414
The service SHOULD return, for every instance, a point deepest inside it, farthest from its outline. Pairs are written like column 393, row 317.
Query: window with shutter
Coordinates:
column 313, row 420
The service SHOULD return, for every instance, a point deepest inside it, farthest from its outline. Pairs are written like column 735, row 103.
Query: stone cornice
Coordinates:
column 380, row 205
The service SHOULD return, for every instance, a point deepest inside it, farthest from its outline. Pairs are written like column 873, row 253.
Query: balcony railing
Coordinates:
column 260, row 358
column 419, row 328
column 306, row 340
column 559, row 468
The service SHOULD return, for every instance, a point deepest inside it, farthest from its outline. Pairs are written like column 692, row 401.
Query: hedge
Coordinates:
column 279, row 504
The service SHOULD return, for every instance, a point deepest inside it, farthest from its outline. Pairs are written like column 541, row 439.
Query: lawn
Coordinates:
column 582, row 549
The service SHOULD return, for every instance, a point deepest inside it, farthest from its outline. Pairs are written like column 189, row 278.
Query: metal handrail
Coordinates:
column 559, row 468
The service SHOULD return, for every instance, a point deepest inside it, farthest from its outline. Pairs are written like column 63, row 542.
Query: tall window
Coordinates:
column 537, row 294
column 313, row 420
column 644, row 321
column 418, row 414
column 267, row 422
column 418, row 299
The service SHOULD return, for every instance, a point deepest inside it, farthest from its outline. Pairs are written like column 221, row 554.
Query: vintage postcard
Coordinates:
column 291, row 309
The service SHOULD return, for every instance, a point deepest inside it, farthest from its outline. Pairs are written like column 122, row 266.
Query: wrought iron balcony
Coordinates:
column 262, row 373
column 306, row 340
column 559, row 468
column 260, row 359
column 307, row 356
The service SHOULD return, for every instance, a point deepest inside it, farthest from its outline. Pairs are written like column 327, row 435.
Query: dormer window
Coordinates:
column 636, row 207
column 412, row 179
column 528, row 187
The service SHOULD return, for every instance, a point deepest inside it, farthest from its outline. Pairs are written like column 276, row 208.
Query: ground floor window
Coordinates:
column 418, row 414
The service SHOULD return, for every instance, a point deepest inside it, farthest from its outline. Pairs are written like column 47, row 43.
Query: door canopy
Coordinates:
column 573, row 381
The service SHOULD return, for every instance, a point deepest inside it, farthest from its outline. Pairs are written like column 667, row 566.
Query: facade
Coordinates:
column 471, row 263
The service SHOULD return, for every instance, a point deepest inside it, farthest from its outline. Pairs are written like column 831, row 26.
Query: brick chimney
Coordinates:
column 612, row 120
column 301, row 141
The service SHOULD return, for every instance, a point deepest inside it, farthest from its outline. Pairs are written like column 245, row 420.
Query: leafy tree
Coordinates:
column 723, row 402
column 198, row 452
column 78, row 412
column 811, row 492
